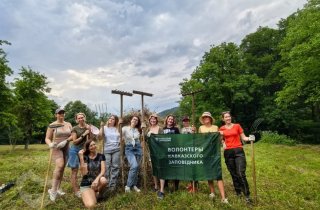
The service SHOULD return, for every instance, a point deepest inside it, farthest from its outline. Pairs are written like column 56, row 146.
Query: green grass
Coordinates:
column 288, row 177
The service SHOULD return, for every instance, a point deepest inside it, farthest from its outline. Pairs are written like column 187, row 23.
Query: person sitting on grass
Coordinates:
column 93, row 168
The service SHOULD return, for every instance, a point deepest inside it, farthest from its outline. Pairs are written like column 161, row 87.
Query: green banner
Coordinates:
column 186, row 156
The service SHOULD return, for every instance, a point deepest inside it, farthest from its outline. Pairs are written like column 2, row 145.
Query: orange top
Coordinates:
column 232, row 136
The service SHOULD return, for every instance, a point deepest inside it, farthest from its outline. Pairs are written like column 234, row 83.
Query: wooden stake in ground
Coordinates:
column 144, row 156
column 193, row 117
column 252, row 139
column 121, row 93
column 55, row 126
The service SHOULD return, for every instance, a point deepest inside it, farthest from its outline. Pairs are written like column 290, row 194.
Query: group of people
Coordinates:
column 75, row 147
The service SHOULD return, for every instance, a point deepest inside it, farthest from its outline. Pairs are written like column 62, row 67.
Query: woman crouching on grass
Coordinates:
column 93, row 168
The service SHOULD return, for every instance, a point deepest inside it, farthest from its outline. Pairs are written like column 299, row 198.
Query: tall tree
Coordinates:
column 33, row 108
column 300, row 51
column 226, row 82
column 262, row 57
column 74, row 107
column 8, row 120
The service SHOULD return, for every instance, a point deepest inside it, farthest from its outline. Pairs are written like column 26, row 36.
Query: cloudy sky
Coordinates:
column 87, row 48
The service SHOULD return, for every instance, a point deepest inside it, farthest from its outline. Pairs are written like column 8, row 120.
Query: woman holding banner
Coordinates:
column 111, row 137
column 154, row 128
column 57, row 137
column 133, row 151
column 169, row 128
column 80, row 135
column 207, row 126
column 234, row 155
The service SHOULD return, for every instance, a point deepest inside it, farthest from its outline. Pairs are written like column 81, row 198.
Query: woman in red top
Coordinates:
column 234, row 155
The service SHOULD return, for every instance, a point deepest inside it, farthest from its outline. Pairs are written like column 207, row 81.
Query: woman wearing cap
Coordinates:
column 57, row 136
column 154, row 128
column 234, row 155
column 187, row 129
column 207, row 126
column 133, row 151
column 169, row 128
column 80, row 134
column 93, row 168
column 111, row 136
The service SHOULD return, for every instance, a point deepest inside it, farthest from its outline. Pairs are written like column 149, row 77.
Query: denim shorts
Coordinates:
column 84, row 188
column 73, row 160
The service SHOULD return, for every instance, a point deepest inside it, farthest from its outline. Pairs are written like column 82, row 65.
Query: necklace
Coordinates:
column 228, row 126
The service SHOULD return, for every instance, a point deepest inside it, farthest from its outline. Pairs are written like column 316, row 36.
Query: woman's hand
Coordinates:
column 52, row 145
column 94, row 185
column 81, row 153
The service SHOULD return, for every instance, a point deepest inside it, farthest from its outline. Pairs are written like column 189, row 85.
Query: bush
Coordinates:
column 275, row 138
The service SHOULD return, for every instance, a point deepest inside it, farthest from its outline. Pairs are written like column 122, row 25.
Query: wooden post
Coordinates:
column 193, row 121
column 193, row 105
column 253, row 172
column 143, row 139
column 121, row 93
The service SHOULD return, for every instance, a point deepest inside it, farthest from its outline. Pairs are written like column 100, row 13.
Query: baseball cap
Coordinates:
column 185, row 118
column 59, row 110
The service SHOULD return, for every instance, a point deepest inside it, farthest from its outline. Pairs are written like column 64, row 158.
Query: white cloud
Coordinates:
column 87, row 48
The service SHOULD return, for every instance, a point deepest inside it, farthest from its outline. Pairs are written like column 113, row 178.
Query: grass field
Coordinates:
column 288, row 177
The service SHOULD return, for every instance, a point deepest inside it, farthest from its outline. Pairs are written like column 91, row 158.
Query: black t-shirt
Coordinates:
column 172, row 130
column 94, row 169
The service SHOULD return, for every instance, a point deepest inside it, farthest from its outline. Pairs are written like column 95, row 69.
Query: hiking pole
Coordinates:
column 193, row 117
column 252, row 139
column 121, row 93
column 54, row 126
column 143, row 139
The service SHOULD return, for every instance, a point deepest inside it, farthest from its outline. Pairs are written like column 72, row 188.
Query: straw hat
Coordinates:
column 206, row 114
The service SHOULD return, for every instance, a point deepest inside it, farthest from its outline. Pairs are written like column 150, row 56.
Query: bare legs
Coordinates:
column 89, row 196
column 57, row 173
column 74, row 184
column 220, row 186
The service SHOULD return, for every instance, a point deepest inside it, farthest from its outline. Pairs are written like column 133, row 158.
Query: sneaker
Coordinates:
column 52, row 195
column 78, row 194
column 225, row 201
column 212, row 195
column 127, row 189
column 160, row 195
column 60, row 192
column 136, row 189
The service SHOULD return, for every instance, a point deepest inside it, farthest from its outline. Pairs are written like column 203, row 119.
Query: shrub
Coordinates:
column 275, row 138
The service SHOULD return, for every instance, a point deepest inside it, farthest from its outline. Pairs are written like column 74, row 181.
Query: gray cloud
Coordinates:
column 87, row 48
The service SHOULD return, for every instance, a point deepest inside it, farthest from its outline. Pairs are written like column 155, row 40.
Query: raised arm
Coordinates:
column 83, row 165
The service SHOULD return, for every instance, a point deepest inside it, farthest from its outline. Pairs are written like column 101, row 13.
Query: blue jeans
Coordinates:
column 112, row 167
column 133, row 155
